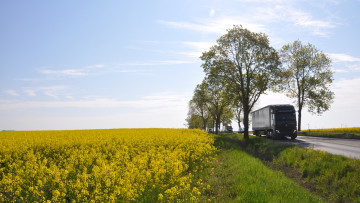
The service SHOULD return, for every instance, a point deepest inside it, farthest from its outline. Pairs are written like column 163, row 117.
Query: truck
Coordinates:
column 275, row 121
column 228, row 129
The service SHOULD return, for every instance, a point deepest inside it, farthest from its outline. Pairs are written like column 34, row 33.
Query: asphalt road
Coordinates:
column 346, row 147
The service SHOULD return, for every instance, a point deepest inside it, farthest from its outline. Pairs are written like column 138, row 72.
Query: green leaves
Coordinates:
column 245, row 64
column 242, row 65
column 308, row 77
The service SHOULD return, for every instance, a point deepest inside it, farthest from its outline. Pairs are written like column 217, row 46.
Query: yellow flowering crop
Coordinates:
column 102, row 165
column 338, row 130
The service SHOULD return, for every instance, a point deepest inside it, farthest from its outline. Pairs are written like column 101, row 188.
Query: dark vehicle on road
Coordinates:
column 228, row 129
column 275, row 121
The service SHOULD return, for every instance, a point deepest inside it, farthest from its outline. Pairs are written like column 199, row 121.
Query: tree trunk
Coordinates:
column 299, row 111
column 299, row 118
column 239, row 124
column 217, row 124
column 246, row 124
column 204, row 123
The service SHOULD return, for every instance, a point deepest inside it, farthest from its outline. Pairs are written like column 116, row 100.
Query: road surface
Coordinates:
column 347, row 147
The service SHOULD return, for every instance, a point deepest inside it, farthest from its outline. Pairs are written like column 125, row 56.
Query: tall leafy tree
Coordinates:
column 244, row 62
column 193, row 119
column 210, row 105
column 218, row 100
column 227, row 116
column 238, row 112
column 309, row 77
column 199, row 103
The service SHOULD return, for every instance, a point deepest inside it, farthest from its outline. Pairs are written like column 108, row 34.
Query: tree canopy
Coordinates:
column 309, row 77
column 246, row 64
column 242, row 66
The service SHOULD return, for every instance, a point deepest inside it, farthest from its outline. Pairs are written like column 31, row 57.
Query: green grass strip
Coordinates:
column 239, row 177
column 336, row 178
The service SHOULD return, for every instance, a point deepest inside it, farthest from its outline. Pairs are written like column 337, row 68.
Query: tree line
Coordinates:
column 242, row 66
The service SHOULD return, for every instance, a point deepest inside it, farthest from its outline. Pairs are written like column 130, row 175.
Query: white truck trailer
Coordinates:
column 275, row 121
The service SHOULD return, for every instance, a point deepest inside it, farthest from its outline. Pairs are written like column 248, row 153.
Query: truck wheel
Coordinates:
column 274, row 136
column 269, row 134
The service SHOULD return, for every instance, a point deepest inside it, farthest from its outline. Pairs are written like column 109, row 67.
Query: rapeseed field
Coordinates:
column 103, row 165
column 335, row 132
column 338, row 130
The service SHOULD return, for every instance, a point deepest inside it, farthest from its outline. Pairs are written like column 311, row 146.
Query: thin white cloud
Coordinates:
column 167, row 96
column 340, row 71
column 132, row 71
column 196, row 48
column 199, row 45
column 354, row 67
column 214, row 25
column 28, row 79
column 174, row 62
column 53, row 91
column 340, row 57
column 96, row 66
column 12, row 93
column 259, row 18
column 68, row 72
column 263, row 1
column 73, row 72
column 212, row 13
column 30, row 92
column 156, row 63
column 347, row 62
column 286, row 13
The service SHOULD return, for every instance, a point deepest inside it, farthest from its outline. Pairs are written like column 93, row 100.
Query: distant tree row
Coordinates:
column 242, row 66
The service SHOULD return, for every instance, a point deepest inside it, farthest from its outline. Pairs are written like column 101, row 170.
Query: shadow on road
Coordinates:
column 300, row 143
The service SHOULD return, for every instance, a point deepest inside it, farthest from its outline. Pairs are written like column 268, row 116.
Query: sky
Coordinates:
column 135, row 64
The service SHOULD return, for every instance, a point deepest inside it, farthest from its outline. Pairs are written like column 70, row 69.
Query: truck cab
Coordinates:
column 228, row 129
column 284, row 121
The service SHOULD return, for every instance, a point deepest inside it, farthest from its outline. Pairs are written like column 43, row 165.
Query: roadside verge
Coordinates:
column 333, row 177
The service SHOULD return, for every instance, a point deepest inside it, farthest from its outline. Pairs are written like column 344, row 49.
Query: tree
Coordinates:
column 227, row 116
column 209, row 105
column 193, row 120
column 309, row 77
column 246, row 64
column 200, row 102
column 218, row 100
column 238, row 113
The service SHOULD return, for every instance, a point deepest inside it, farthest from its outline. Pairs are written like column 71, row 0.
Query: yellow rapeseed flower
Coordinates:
column 102, row 165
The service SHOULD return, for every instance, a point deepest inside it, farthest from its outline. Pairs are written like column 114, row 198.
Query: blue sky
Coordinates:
column 129, row 64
